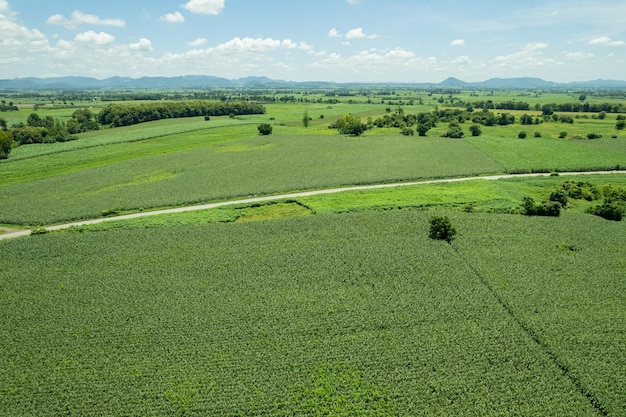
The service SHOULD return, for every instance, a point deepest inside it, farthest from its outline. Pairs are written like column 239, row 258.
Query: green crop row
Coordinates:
column 358, row 314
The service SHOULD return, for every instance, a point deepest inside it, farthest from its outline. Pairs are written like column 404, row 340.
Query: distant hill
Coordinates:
column 207, row 81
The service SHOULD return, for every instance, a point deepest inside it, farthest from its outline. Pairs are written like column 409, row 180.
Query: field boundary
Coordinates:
column 311, row 193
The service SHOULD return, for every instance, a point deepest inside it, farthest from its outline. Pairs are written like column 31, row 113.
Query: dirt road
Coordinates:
column 20, row 233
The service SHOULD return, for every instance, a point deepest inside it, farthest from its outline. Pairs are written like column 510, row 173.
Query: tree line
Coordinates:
column 116, row 115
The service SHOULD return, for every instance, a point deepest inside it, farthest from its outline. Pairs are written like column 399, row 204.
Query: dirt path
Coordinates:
column 14, row 234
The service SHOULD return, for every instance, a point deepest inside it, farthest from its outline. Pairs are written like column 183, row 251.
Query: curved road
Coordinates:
column 15, row 234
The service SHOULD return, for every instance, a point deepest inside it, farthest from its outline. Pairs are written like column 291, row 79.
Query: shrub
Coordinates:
column 594, row 135
column 265, row 129
column 609, row 210
column 559, row 196
column 545, row 208
column 207, row 117
column 537, row 134
column 475, row 130
column 441, row 229
column 522, row 135
column 563, row 135
column 407, row 131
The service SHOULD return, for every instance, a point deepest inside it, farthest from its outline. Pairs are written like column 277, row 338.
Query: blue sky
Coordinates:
column 322, row 40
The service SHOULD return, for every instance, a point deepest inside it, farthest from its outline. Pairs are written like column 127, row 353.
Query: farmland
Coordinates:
column 335, row 304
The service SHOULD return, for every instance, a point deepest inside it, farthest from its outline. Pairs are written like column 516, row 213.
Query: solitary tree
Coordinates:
column 305, row 119
column 350, row 125
column 475, row 130
column 265, row 129
column 5, row 144
column 441, row 229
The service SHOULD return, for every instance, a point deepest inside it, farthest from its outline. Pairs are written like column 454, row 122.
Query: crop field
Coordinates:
column 186, row 161
column 357, row 313
column 334, row 304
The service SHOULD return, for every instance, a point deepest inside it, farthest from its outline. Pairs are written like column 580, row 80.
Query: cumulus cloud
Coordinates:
column 606, row 41
column 16, row 38
column 334, row 33
column 359, row 34
column 92, row 37
column 175, row 17
column 79, row 18
column 197, row 42
column 144, row 45
column 462, row 60
column 458, row 42
column 205, row 6
column 529, row 56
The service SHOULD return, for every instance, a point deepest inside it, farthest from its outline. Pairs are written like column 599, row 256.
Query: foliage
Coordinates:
column 407, row 131
column 580, row 190
column 116, row 115
column 593, row 135
column 609, row 210
column 454, row 131
column 441, row 229
column 6, row 143
column 522, row 135
column 265, row 129
column 475, row 130
column 350, row 125
column 545, row 208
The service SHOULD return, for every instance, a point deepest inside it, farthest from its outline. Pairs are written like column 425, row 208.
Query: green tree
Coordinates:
column 620, row 125
column 5, row 144
column 522, row 135
column 475, row 130
column 350, row 125
column 305, row 119
column 454, row 131
column 422, row 129
column 441, row 229
column 265, row 129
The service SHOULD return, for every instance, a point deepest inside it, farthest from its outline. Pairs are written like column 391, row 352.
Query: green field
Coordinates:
column 335, row 304
column 358, row 313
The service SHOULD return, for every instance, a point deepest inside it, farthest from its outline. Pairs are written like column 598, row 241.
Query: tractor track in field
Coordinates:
column 12, row 233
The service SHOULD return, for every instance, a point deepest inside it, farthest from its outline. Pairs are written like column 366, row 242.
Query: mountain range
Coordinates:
column 207, row 81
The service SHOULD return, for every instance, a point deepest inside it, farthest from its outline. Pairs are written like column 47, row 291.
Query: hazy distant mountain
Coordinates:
column 207, row 81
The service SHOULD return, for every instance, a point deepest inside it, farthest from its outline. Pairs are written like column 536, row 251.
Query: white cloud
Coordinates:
column 205, row 6
column 458, row 42
column 333, row 33
column 606, row 41
column 92, row 37
column 529, row 56
column 577, row 56
column 462, row 60
column 17, row 40
column 79, row 18
column 359, row 34
column 353, row 2
column 175, row 17
column 144, row 45
column 197, row 42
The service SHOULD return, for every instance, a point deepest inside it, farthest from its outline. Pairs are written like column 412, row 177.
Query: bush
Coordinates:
column 441, row 229
column 609, row 210
column 522, row 135
column 475, row 130
column 407, row 131
column 563, row 135
column 537, row 134
column 545, row 208
column 265, row 129
column 594, row 135
column 559, row 196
